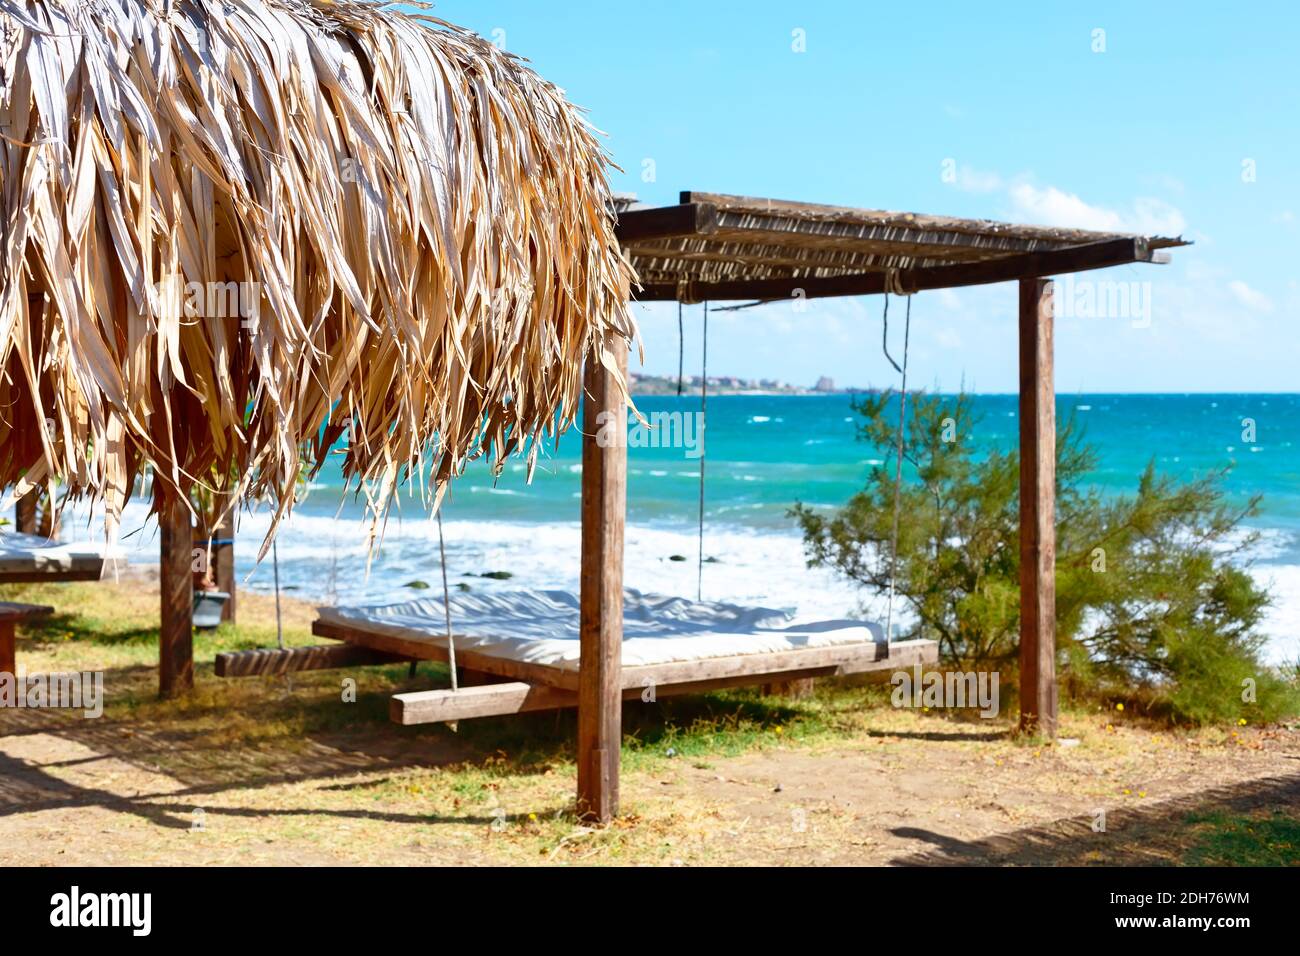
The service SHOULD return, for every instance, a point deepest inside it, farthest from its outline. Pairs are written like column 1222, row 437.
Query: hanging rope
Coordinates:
column 704, row 418
column 884, row 336
column 275, row 570
column 454, row 725
column 446, row 603
column 898, row 464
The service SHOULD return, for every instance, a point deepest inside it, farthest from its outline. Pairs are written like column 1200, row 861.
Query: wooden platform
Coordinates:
column 53, row 576
column 526, row 687
column 517, row 697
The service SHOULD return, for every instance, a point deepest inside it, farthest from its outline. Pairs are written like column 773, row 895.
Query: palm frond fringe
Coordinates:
column 236, row 231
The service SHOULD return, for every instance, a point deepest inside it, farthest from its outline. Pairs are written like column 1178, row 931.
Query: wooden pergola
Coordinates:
column 712, row 247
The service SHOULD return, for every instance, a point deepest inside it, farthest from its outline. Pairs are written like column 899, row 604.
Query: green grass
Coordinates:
column 113, row 627
column 1260, row 839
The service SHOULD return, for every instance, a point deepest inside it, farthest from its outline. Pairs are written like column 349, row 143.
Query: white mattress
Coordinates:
column 541, row 627
column 28, row 553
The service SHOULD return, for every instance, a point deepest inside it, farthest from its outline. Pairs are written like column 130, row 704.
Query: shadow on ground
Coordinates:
column 264, row 732
column 1135, row 837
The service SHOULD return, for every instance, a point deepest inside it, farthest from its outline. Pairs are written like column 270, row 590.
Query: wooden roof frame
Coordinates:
column 716, row 247
column 912, row 253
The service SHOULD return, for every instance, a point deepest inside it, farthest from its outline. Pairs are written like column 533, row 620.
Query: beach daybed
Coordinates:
column 523, row 647
column 31, row 559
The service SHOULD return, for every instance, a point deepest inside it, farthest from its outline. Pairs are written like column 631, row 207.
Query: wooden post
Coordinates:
column 223, row 561
column 176, row 585
column 25, row 508
column 8, row 654
column 25, row 513
column 1037, row 511
column 10, row 615
column 604, row 512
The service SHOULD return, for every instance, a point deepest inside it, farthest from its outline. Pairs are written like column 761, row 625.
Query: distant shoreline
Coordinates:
column 640, row 387
column 729, row 385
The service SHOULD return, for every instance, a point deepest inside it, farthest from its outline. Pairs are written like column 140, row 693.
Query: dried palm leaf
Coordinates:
column 233, row 232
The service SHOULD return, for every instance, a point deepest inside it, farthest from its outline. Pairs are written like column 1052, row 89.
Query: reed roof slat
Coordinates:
column 713, row 243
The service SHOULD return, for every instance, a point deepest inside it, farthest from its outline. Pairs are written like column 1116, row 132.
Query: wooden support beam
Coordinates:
column 176, row 587
column 1094, row 255
column 834, row 659
column 52, row 576
column 8, row 648
column 274, row 660
column 427, row 649
column 604, row 513
column 10, row 615
column 25, row 513
column 223, row 563
column 517, row 697
column 665, row 222
column 1037, row 511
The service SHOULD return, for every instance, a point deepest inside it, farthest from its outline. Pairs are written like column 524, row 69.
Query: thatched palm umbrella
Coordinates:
column 235, row 231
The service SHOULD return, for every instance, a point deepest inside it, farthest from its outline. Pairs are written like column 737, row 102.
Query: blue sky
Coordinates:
column 1187, row 122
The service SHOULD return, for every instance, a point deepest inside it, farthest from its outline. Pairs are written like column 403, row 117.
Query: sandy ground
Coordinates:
column 96, row 794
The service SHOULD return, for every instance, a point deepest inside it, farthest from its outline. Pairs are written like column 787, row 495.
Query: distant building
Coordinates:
column 824, row 384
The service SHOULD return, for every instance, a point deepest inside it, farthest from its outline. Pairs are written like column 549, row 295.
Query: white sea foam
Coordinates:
column 1282, row 619
column 325, row 559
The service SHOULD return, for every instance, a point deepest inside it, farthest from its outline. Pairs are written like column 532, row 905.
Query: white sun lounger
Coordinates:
column 541, row 627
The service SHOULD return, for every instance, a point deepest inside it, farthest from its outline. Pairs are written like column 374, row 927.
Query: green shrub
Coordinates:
column 1153, row 600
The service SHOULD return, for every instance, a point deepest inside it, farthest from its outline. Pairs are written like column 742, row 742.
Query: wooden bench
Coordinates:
column 10, row 615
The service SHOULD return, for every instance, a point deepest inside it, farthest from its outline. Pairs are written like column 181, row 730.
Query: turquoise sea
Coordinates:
column 766, row 452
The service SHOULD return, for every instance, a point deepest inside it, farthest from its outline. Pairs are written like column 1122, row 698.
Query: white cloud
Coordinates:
column 1155, row 217
column 971, row 180
column 1252, row 299
column 1050, row 206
